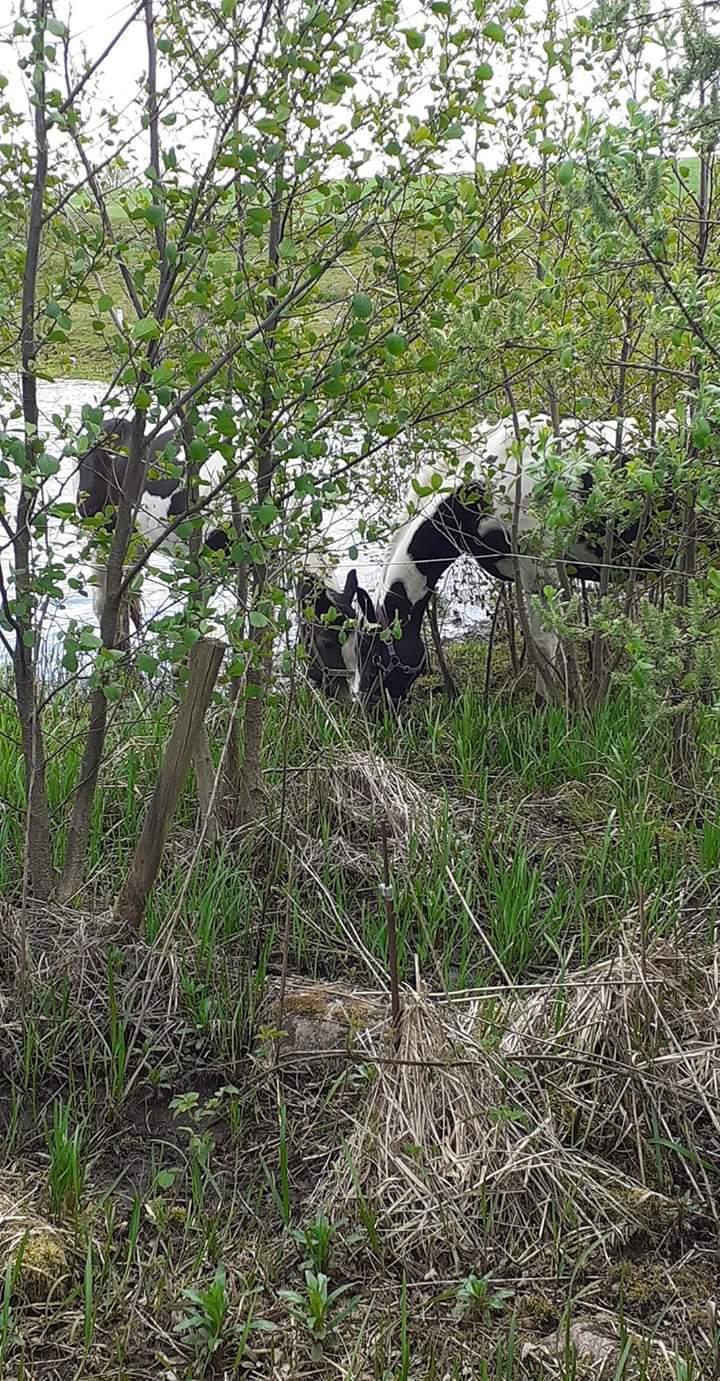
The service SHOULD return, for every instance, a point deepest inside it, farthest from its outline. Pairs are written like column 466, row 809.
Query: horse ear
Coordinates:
column 365, row 604
column 351, row 586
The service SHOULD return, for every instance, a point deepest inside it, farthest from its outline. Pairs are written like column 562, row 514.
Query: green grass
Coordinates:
column 569, row 824
column 183, row 1176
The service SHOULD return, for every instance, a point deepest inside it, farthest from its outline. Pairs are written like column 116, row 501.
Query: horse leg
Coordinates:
column 447, row 676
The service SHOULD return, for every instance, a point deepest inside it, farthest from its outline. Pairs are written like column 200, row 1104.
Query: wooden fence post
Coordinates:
column 205, row 660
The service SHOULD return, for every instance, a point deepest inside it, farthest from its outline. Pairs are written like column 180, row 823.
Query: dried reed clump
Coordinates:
column 628, row 1050
column 496, row 1144
column 412, row 1156
column 361, row 790
column 318, row 1021
column 364, row 789
column 31, row 1247
column 58, row 958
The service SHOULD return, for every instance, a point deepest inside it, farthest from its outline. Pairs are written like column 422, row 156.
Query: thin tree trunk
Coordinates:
column 575, row 688
column 682, row 735
column 447, row 676
column 544, row 670
column 205, row 660
column 81, row 816
column 249, row 786
column 111, row 622
column 38, row 851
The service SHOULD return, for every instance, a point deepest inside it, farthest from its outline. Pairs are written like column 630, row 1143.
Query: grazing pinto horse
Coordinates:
column 473, row 508
column 325, row 608
column 101, row 480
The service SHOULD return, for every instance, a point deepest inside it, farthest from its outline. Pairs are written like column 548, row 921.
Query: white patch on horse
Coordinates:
column 153, row 517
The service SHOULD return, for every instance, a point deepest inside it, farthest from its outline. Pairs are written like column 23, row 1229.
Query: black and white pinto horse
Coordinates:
column 472, row 506
column 325, row 610
column 101, row 479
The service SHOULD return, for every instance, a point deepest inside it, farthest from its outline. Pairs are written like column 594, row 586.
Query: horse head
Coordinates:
column 325, row 609
column 389, row 648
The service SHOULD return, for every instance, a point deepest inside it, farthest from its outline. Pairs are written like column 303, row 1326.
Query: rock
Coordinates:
column 596, row 1351
column 315, row 1017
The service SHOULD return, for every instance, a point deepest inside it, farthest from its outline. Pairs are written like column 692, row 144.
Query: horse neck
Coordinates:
column 425, row 548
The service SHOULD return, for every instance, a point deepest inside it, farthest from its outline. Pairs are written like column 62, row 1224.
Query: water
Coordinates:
column 466, row 596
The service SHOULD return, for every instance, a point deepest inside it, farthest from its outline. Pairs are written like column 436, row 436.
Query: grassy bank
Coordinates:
column 184, row 1189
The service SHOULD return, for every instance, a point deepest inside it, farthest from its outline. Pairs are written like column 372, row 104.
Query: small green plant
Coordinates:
column 7, row 1318
column 209, row 1322
column 279, row 1184
column 201, row 1145
column 88, row 1299
column 315, row 1309
column 66, row 1175
column 316, row 1238
column 208, row 1318
column 476, row 1297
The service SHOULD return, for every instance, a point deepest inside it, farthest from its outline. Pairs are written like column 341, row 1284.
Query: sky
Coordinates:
column 93, row 24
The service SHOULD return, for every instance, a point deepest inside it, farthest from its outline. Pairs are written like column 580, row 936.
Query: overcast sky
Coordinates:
column 94, row 23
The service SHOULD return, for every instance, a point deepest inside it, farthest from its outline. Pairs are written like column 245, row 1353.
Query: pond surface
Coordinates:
column 465, row 596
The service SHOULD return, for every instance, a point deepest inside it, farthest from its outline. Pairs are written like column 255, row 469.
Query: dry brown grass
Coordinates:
column 569, row 1120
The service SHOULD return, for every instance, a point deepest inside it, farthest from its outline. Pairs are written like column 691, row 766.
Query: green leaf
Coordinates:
column 566, row 358
column 163, row 374
column 147, row 663
column 228, row 8
column 494, row 31
column 154, row 214
column 147, row 328
column 701, row 433
column 258, row 620
column 428, row 362
column 395, row 344
column 221, row 94
column 566, row 173
column 415, row 39
column 47, row 465
column 266, row 514
column 105, row 302
column 361, row 306
column 484, row 72
column 56, row 27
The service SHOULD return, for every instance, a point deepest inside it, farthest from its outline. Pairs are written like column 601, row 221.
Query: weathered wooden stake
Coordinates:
column 205, row 660
column 205, row 781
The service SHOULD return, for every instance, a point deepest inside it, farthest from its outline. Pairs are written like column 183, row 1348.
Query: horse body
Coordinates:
column 102, row 475
column 472, row 505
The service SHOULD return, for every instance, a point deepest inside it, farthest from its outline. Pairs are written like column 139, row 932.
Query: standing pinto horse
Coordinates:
column 101, row 479
column 475, row 507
